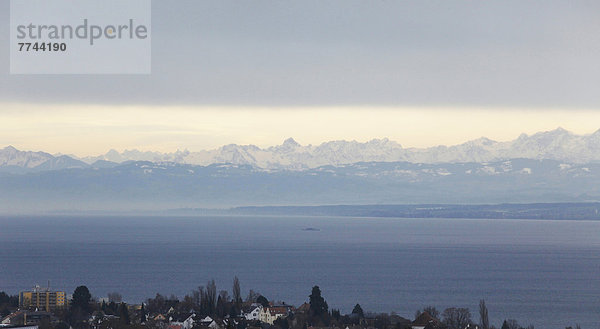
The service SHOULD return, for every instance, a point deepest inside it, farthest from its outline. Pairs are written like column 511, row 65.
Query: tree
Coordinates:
column 61, row 325
column 431, row 310
column 318, row 305
column 262, row 300
column 282, row 323
column 124, row 314
column 4, row 304
column 187, row 304
column 142, row 314
column 456, row 318
column 115, row 297
column 358, row 311
column 252, row 296
column 81, row 299
column 237, row 297
column 4, row 298
column 222, row 304
column 483, row 315
column 208, row 298
column 156, row 304
column 211, row 297
column 237, row 294
column 45, row 323
column 510, row 324
column 336, row 314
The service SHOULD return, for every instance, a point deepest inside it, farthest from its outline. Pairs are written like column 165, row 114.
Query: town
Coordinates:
column 208, row 308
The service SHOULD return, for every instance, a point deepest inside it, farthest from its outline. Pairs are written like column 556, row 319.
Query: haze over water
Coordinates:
column 543, row 273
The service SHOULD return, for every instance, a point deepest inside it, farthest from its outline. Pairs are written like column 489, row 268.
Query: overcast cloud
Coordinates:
column 349, row 52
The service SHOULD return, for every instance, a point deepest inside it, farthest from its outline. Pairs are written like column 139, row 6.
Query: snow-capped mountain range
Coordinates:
column 557, row 144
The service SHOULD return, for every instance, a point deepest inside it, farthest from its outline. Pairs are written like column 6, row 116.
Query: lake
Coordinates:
column 545, row 273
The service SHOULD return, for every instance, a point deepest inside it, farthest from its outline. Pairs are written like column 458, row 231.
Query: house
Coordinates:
column 206, row 321
column 186, row 321
column 270, row 314
column 160, row 317
column 303, row 309
column 424, row 320
column 28, row 318
column 175, row 326
column 289, row 308
column 253, row 313
column 10, row 319
column 217, row 324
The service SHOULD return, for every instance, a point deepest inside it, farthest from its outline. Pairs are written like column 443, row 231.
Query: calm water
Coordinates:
column 545, row 273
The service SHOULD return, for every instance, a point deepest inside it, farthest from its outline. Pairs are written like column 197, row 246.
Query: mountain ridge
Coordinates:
column 155, row 186
column 558, row 144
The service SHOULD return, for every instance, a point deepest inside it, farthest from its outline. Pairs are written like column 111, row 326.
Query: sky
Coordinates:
column 421, row 73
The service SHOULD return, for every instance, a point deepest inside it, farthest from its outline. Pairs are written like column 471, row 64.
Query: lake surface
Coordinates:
column 545, row 273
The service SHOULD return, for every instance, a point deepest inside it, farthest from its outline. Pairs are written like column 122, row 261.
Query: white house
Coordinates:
column 188, row 323
column 254, row 313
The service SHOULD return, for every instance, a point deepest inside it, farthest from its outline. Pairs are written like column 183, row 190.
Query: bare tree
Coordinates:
column 211, row 296
column 237, row 294
column 156, row 304
column 432, row 311
column 196, row 297
column 115, row 297
column 203, row 302
column 224, row 295
column 252, row 296
column 222, row 301
column 456, row 318
column 483, row 315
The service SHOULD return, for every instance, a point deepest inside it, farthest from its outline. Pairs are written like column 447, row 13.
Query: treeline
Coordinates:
column 206, row 301
column 84, row 312
column 564, row 211
column 7, row 303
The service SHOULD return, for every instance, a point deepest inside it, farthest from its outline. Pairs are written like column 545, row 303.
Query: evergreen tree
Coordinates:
column 220, row 309
column 81, row 299
column 336, row 314
column 358, row 310
column 124, row 314
column 263, row 301
column 318, row 305
column 142, row 314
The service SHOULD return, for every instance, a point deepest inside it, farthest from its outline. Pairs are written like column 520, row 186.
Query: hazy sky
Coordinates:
column 419, row 72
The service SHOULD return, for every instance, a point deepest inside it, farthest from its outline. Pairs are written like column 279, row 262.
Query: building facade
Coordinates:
column 42, row 299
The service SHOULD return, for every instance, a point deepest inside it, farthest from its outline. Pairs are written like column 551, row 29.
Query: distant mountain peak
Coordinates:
column 10, row 148
column 557, row 131
column 290, row 142
column 482, row 141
